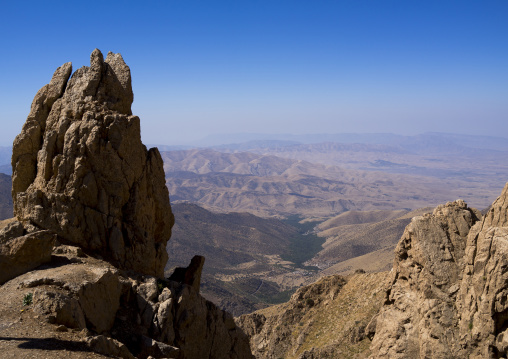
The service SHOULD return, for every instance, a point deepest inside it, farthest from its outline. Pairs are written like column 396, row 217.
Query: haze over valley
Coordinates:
column 273, row 214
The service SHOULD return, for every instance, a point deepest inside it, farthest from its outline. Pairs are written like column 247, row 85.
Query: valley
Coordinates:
column 273, row 216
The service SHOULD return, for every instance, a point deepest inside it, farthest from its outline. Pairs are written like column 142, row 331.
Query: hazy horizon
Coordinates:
column 204, row 68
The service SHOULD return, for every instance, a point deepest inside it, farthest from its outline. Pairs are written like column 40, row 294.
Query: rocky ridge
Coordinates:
column 80, row 169
column 448, row 292
column 91, row 207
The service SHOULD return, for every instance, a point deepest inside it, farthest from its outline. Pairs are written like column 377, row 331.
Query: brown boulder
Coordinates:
column 21, row 253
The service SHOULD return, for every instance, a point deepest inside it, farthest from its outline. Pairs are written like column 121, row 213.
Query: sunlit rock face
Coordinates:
column 448, row 296
column 81, row 170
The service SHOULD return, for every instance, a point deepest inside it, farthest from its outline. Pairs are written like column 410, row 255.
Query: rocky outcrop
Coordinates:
column 129, row 315
column 448, row 292
column 81, row 171
column 482, row 300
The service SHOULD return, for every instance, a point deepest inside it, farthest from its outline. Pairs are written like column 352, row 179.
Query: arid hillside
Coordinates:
column 328, row 319
column 355, row 234
column 250, row 262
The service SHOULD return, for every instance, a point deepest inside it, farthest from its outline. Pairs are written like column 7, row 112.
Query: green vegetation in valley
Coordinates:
column 304, row 245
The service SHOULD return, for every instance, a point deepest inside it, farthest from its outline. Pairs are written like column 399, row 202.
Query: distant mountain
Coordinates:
column 427, row 140
column 6, row 169
column 269, row 185
column 5, row 160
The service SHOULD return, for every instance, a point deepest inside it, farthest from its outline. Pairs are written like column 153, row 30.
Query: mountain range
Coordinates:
column 269, row 185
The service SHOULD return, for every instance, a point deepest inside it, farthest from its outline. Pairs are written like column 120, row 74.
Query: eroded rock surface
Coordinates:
column 482, row 300
column 21, row 252
column 448, row 296
column 80, row 169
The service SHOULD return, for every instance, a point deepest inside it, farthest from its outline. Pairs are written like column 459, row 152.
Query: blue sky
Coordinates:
column 273, row 66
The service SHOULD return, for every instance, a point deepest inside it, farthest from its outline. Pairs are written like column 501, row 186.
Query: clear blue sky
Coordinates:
column 273, row 66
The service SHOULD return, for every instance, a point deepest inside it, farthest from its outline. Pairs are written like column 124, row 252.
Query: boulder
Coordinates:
column 108, row 346
column 21, row 253
column 78, row 295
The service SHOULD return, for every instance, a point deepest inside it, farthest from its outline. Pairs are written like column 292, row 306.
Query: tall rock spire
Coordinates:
column 81, row 170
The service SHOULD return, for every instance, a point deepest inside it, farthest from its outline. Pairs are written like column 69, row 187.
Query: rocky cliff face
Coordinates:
column 448, row 296
column 80, row 169
column 91, row 205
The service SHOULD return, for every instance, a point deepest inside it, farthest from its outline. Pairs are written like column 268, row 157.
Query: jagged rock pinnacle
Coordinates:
column 80, row 169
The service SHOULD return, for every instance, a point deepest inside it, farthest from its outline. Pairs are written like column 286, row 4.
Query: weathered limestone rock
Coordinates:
column 449, row 292
column 80, row 169
column 482, row 300
column 419, row 319
column 21, row 253
column 174, row 318
column 78, row 296
column 82, row 176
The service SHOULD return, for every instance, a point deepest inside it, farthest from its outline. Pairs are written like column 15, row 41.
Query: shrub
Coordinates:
column 27, row 299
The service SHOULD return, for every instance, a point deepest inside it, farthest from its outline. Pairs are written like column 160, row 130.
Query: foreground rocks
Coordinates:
column 86, row 252
column 120, row 314
column 446, row 297
column 449, row 287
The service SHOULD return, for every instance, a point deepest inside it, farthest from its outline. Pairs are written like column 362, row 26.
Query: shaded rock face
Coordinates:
column 448, row 296
column 80, row 169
